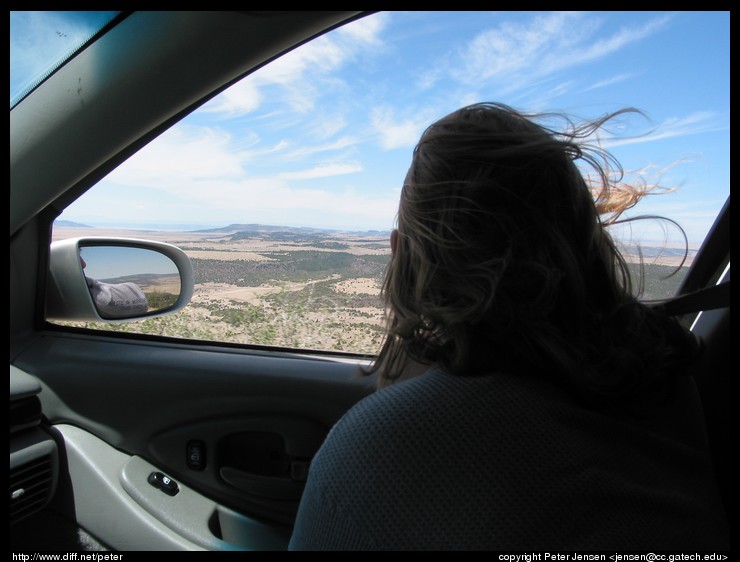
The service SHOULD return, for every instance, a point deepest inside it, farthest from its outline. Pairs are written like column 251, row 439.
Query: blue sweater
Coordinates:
column 505, row 462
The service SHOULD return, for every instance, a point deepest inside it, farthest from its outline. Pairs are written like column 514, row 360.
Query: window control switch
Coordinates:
column 164, row 483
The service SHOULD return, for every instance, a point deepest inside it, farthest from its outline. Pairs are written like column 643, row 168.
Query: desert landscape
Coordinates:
column 296, row 287
column 272, row 286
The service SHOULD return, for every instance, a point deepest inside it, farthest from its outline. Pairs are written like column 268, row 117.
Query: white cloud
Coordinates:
column 268, row 200
column 202, row 178
column 241, row 98
column 322, row 171
column 610, row 81
column 394, row 132
column 611, row 44
column 693, row 124
column 320, row 55
column 339, row 144
column 366, row 30
column 514, row 49
column 182, row 154
column 198, row 198
column 514, row 55
column 188, row 153
column 429, row 77
column 296, row 71
column 328, row 126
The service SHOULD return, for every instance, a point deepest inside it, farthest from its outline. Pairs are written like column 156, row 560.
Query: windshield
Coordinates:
column 40, row 42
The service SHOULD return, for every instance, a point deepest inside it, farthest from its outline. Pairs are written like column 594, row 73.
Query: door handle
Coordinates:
column 264, row 486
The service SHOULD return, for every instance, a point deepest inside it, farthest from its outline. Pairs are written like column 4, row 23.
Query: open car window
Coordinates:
column 284, row 188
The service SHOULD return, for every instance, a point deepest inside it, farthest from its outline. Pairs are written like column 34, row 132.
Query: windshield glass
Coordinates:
column 40, row 42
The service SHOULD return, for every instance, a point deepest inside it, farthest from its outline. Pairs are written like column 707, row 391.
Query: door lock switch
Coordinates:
column 196, row 455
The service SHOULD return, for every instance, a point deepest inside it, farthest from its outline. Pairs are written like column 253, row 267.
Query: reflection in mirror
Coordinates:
column 125, row 281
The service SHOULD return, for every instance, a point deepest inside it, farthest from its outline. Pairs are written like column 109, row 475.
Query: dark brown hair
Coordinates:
column 503, row 261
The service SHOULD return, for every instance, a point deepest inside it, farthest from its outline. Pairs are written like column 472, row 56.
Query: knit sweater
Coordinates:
column 507, row 462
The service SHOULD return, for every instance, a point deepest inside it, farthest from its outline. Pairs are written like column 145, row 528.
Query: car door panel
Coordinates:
column 255, row 418
column 102, row 506
column 113, row 499
column 258, row 473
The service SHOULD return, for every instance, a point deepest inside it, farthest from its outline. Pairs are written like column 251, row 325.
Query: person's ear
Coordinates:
column 394, row 240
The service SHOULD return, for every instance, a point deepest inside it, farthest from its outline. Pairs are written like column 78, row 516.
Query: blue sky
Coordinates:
column 323, row 136
column 117, row 261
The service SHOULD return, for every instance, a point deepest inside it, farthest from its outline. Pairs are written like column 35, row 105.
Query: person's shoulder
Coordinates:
column 401, row 412
column 372, row 432
column 434, row 390
column 386, row 407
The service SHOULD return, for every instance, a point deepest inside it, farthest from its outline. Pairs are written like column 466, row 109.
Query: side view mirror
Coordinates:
column 116, row 279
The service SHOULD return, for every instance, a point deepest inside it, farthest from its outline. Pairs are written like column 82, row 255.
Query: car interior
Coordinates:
column 122, row 441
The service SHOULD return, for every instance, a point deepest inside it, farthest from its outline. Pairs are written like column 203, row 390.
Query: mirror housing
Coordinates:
column 116, row 286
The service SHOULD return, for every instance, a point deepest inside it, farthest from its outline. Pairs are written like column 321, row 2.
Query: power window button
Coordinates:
column 164, row 483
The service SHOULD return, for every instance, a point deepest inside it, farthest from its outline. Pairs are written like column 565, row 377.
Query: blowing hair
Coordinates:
column 503, row 260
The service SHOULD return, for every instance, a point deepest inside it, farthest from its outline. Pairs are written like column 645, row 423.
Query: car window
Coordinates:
column 283, row 189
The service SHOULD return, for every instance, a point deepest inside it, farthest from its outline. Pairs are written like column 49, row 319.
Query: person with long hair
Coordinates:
column 528, row 399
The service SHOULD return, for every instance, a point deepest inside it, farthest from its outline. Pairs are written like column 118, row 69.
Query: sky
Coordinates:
column 105, row 262
column 323, row 136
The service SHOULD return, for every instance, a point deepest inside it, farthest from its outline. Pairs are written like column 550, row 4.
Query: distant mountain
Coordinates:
column 264, row 228
column 248, row 230
column 72, row 224
column 647, row 251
